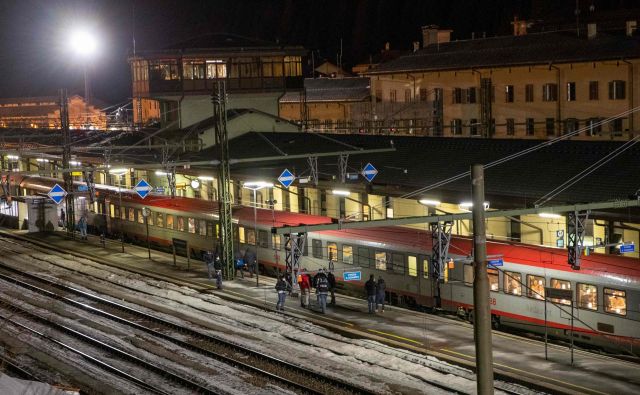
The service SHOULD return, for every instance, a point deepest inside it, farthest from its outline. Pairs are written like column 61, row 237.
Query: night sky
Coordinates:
column 34, row 59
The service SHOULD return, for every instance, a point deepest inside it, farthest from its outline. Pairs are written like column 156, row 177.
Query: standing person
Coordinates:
column 305, row 288
column 82, row 225
column 370, row 287
column 209, row 261
column 322, row 289
column 239, row 264
column 217, row 265
column 63, row 218
column 332, row 287
column 250, row 260
column 380, row 294
column 281, row 288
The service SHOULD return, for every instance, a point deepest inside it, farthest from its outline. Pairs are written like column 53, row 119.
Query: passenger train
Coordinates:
column 606, row 289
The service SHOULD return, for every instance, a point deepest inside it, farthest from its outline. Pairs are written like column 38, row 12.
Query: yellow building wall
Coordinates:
column 314, row 199
column 333, row 205
column 378, row 206
column 293, row 199
column 353, row 209
column 631, row 236
column 549, row 227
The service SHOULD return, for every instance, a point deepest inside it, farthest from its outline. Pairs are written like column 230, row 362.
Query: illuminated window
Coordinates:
column 160, row 220
column 425, row 268
column 571, row 91
column 192, row 225
column 216, row 69
column 494, row 284
column 468, row 275
column 535, row 286
column 412, row 265
column 132, row 214
column 381, row 260
column 560, row 284
column 512, row 283
column 180, row 224
column 241, row 236
column 509, row 93
column 151, row 218
column 615, row 301
column 292, row 66
column 587, row 296
column 140, row 217
column 347, row 254
column 332, row 251
column 202, row 227
column 169, row 221
column 276, row 242
column 251, row 236
column 112, row 210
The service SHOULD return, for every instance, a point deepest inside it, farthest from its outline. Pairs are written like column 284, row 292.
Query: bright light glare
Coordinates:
column 341, row 192
column 13, row 157
column 42, row 160
column 549, row 215
column 205, row 178
column 257, row 185
column 83, row 43
column 118, row 171
column 469, row 205
column 195, row 184
column 429, row 202
column 74, row 163
column 161, row 173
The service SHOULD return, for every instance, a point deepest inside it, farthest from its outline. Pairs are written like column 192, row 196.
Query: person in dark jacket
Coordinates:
column 332, row 287
column 281, row 288
column 370, row 287
column 250, row 261
column 380, row 294
column 322, row 289
column 208, row 260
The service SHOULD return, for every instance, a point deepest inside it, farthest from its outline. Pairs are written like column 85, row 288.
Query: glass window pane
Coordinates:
column 412, row 265
column 425, row 267
column 468, row 275
column 160, row 220
column 381, row 260
column 181, row 224
column 276, row 242
column 615, row 301
column 169, row 221
column 251, row 236
column 241, row 235
column 192, row 225
column 587, row 296
column 317, row 248
column 535, row 286
column 364, row 258
column 132, row 214
column 332, row 251
column 560, row 284
column 263, row 238
column 347, row 254
column 202, row 228
column 512, row 283
column 397, row 264
column 494, row 284
column 112, row 210
column 140, row 217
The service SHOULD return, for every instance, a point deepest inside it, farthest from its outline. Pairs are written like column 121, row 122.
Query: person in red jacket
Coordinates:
column 305, row 288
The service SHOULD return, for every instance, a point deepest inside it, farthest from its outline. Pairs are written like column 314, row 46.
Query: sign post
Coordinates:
column 143, row 188
column 286, row 178
column 57, row 194
column 369, row 172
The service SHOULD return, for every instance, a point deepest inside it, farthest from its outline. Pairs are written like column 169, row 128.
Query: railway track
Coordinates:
column 273, row 369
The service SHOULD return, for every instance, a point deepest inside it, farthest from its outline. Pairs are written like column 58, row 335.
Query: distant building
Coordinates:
column 44, row 113
column 175, row 84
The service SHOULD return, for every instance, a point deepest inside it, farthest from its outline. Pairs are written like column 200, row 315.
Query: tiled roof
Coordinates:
column 531, row 49
column 332, row 89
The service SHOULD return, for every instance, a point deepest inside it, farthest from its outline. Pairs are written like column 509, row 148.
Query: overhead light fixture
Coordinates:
column 195, row 184
column 74, row 163
column 13, row 157
column 549, row 215
column 118, row 171
column 341, row 192
column 161, row 173
column 257, row 185
column 429, row 202
column 42, row 160
column 469, row 205
column 205, row 178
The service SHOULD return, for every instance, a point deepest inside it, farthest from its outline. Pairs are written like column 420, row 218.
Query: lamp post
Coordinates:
column 84, row 45
column 255, row 186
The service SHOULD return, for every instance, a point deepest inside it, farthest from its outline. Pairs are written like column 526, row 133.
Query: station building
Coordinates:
column 43, row 112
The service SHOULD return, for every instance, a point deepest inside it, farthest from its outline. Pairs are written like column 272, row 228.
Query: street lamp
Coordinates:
column 85, row 45
column 255, row 186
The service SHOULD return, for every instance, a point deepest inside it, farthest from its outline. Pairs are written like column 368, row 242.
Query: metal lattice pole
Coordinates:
column 575, row 236
column 441, row 238
column 225, row 235
column 66, row 157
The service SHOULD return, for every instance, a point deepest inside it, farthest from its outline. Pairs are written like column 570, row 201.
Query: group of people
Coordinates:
column 376, row 292
column 82, row 223
column 324, row 283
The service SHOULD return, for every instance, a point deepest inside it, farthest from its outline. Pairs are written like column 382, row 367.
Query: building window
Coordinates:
column 423, row 94
column 617, row 90
column 407, row 95
column 595, row 126
column 560, row 284
column 530, row 127
column 615, row 301
column 587, row 296
column 512, row 283
column 347, row 254
column 550, row 124
column 292, row 66
column 164, row 70
column 412, row 265
column 216, row 69
column 615, row 127
column 508, row 94
column 393, row 96
column 381, row 260
column 471, row 95
column 473, row 127
column 528, row 93
column 494, row 284
column 593, row 90
column 549, row 92
column 456, row 126
column 511, row 127
column 378, row 94
column 571, row 91
column 570, row 125
column 457, row 95
column 535, row 286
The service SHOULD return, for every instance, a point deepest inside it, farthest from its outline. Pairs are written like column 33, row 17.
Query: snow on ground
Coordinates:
column 11, row 385
column 363, row 362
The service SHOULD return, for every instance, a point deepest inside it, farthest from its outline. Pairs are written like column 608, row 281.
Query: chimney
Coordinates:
column 631, row 27
column 519, row 27
column 431, row 34
column 592, row 31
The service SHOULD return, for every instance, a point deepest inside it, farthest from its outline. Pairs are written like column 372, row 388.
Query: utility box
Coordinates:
column 42, row 214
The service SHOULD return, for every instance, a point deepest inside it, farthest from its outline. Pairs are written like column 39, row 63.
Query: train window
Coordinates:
column 412, row 265
column 316, row 248
column 535, row 286
column 160, row 220
column 332, row 251
column 512, row 283
column 241, row 236
column 398, row 263
column 615, row 301
column 112, row 210
column 210, row 229
column 347, row 254
column 151, row 218
column 425, row 267
column 250, row 235
column 140, row 217
column 560, row 284
column 381, row 260
column 494, row 284
column 123, row 213
column 276, row 242
column 364, row 257
column 132, row 214
column 263, row 238
column 180, row 224
column 169, row 221
column 468, row 274
column 192, row 225
column 587, row 296
column 202, row 227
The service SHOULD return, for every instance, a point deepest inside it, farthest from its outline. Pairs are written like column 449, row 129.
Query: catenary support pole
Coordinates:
column 482, row 311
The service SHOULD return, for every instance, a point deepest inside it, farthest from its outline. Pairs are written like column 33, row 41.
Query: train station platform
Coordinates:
column 516, row 358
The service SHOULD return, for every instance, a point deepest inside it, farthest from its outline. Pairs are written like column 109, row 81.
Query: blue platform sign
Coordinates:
column 83, row 188
column 286, row 178
column 369, row 172
column 57, row 194
column 352, row 276
column 495, row 262
column 159, row 189
column 627, row 248
column 143, row 188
